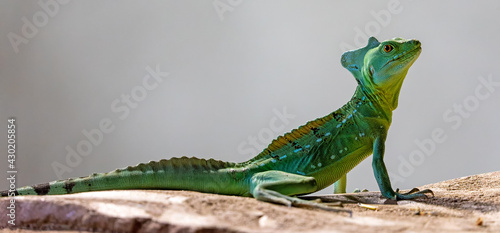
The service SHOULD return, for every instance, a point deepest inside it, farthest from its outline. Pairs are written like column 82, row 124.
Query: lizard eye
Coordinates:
column 388, row 48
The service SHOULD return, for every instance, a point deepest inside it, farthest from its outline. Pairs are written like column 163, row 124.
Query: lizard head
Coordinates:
column 380, row 68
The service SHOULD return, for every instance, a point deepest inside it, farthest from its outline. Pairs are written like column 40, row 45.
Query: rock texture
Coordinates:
column 469, row 204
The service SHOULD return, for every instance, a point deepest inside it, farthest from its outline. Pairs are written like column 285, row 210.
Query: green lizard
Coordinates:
column 302, row 161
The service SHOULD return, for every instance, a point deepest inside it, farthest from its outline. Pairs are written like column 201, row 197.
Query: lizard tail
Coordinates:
column 210, row 176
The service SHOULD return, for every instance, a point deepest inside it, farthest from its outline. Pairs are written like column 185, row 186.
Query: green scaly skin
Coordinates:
column 302, row 161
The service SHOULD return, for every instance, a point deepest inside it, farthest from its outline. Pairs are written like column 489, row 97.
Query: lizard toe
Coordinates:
column 412, row 194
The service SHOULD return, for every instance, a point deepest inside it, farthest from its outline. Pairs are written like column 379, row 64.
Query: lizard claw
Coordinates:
column 412, row 194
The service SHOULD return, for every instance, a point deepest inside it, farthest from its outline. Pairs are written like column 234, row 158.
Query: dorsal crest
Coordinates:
column 292, row 136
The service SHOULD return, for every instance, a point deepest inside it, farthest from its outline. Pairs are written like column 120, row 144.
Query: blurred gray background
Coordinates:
column 234, row 69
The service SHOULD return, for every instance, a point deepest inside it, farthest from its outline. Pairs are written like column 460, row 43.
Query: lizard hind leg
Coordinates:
column 278, row 187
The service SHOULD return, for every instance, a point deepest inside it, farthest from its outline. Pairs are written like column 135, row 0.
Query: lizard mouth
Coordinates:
column 405, row 56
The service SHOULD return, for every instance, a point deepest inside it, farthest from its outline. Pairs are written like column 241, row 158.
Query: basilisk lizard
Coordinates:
column 302, row 161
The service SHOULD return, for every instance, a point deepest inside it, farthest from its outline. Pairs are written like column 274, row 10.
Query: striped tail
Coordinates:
column 210, row 176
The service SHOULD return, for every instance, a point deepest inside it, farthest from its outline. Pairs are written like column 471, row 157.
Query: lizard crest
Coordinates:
column 380, row 68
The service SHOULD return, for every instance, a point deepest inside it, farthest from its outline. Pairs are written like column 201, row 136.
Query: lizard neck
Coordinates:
column 388, row 96
column 372, row 104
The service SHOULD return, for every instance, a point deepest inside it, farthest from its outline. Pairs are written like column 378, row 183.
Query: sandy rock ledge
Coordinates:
column 468, row 204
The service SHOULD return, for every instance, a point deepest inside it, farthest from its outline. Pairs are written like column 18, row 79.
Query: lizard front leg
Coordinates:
column 382, row 177
column 278, row 187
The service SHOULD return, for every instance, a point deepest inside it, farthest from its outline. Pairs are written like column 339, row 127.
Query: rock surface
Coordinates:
column 468, row 204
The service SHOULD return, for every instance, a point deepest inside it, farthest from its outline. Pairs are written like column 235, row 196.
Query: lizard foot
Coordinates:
column 278, row 198
column 412, row 194
column 281, row 187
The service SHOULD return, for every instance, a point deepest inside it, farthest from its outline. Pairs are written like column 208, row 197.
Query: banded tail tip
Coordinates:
column 8, row 193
